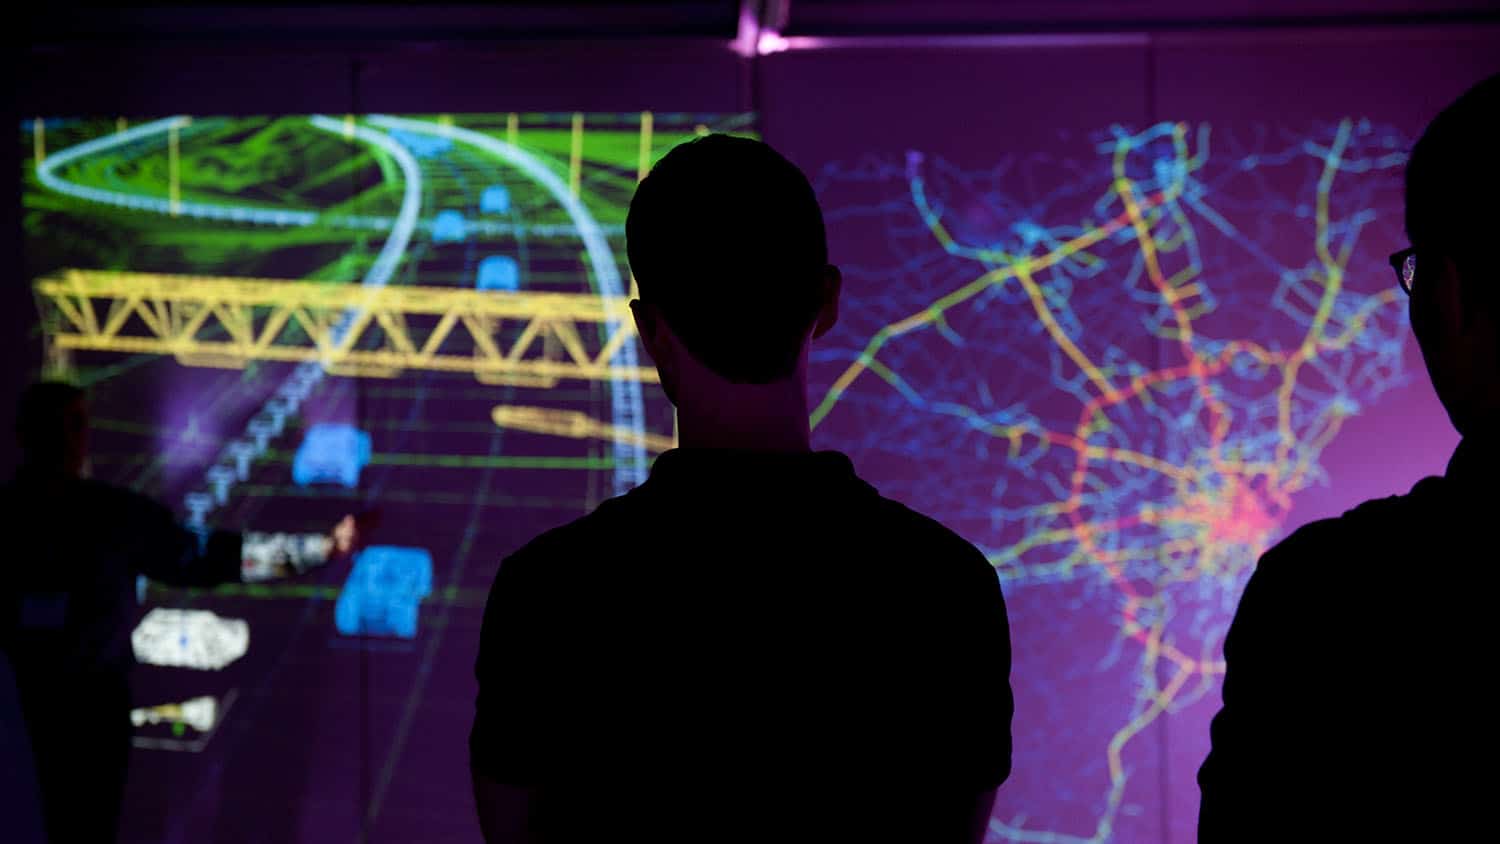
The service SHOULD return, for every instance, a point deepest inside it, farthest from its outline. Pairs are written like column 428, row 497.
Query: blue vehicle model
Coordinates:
column 385, row 586
column 422, row 145
column 494, row 200
column 331, row 453
column 498, row 272
column 449, row 227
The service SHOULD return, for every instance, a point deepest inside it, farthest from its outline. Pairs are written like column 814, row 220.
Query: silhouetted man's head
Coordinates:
column 726, row 242
column 1452, row 218
column 52, row 428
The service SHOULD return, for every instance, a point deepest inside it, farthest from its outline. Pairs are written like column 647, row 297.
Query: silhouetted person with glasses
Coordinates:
column 1359, row 698
column 753, row 645
column 74, row 547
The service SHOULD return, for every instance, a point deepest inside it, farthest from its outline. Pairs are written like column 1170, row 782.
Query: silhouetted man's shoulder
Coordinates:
column 83, row 501
column 1349, row 681
column 1360, row 545
column 1329, row 585
column 902, row 519
column 812, row 501
column 566, row 542
column 935, row 549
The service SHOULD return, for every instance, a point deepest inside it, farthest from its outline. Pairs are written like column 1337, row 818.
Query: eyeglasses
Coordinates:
column 1405, row 265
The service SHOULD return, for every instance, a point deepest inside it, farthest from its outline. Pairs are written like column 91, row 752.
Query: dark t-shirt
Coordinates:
column 1358, row 701
column 746, row 647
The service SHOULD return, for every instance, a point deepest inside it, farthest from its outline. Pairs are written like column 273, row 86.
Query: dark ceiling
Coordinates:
column 65, row 20
column 834, row 17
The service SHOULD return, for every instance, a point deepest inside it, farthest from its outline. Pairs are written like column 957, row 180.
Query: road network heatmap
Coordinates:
column 1113, row 373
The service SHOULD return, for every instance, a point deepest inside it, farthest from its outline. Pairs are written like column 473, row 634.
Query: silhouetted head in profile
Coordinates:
column 727, row 245
column 52, row 428
column 1453, row 220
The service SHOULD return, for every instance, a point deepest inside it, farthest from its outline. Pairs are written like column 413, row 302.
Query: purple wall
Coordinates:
column 1007, row 132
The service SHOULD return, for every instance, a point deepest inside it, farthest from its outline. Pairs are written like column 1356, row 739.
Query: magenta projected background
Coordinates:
column 1115, row 311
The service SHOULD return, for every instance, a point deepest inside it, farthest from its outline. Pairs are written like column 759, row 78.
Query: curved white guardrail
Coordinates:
column 625, row 394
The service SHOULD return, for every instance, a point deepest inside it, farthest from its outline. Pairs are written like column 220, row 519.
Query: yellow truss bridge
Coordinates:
column 523, row 338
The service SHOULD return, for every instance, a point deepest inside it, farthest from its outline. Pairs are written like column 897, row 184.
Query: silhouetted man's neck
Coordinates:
column 746, row 417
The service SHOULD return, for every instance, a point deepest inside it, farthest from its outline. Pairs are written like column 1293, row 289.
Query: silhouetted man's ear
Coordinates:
column 828, row 311
column 654, row 333
column 641, row 313
column 648, row 326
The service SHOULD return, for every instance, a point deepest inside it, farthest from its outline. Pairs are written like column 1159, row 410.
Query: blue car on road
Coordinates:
column 384, row 588
column 331, row 453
